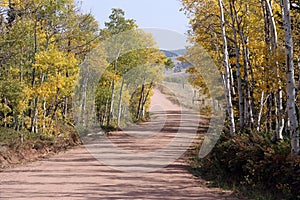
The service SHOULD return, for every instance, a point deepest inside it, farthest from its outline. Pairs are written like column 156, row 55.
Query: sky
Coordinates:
column 149, row 14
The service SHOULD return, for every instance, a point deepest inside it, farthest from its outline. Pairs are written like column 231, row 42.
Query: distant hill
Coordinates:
column 169, row 54
column 173, row 53
column 179, row 51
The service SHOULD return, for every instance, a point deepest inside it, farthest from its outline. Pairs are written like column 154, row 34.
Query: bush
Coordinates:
column 254, row 163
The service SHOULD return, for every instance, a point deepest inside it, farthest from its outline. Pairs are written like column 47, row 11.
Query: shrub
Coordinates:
column 253, row 162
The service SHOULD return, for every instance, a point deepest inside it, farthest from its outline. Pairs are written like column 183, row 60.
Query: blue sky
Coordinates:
column 162, row 14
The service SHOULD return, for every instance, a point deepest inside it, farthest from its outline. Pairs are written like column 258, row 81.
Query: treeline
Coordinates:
column 135, row 66
column 45, row 47
column 42, row 45
column 117, row 92
column 255, row 44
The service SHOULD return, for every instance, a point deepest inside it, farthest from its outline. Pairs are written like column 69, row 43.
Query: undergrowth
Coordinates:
column 252, row 165
column 22, row 146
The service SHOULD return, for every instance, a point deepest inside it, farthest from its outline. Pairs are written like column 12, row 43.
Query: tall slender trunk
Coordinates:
column 65, row 109
column 34, row 112
column 227, row 71
column 105, row 112
column 278, row 96
column 290, row 74
column 280, row 114
column 111, row 110
column 237, row 63
column 140, row 102
column 232, row 81
column 120, row 103
column 44, row 114
column 93, row 121
column 34, row 116
column 269, row 121
column 273, row 30
column 262, row 103
column 83, row 102
column 249, row 105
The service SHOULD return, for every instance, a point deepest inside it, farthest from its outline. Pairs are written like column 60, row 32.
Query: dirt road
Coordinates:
column 83, row 172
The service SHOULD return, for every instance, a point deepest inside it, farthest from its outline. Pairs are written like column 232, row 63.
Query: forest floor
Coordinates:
column 147, row 162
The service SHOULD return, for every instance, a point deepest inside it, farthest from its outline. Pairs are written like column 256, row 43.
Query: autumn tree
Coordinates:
column 42, row 45
column 290, row 74
column 127, row 48
column 255, row 35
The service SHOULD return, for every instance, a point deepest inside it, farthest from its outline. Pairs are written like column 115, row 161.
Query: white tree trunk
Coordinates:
column 120, row 103
column 278, row 97
column 111, row 110
column 83, row 102
column 273, row 24
column 248, row 103
column 262, row 104
column 280, row 115
column 227, row 71
column 290, row 90
column 237, row 62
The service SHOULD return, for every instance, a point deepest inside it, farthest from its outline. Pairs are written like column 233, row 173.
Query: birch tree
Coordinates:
column 234, row 20
column 116, row 25
column 290, row 75
column 42, row 46
column 272, row 42
column 227, row 71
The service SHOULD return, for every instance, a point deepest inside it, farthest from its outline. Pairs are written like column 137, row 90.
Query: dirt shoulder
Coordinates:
column 16, row 153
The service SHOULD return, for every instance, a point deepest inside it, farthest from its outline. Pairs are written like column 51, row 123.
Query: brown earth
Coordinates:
column 31, row 150
column 141, row 162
